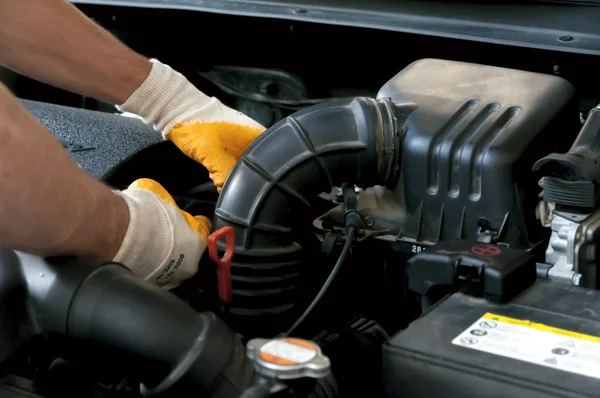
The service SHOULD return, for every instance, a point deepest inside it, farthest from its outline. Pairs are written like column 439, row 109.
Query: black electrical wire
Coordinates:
column 352, row 221
column 328, row 282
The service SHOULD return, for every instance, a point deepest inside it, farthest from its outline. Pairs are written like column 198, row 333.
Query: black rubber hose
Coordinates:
column 354, row 140
column 152, row 333
column 15, row 324
column 113, row 308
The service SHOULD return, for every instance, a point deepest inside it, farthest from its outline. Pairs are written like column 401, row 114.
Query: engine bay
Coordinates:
column 434, row 236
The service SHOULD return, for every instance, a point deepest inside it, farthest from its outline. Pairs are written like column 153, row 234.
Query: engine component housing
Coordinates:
column 467, row 154
column 572, row 253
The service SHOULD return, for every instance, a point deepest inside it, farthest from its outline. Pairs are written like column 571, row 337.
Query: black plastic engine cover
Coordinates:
column 468, row 150
column 470, row 146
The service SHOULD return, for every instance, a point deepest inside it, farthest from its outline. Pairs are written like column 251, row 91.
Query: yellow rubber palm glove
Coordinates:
column 216, row 145
column 163, row 244
column 202, row 127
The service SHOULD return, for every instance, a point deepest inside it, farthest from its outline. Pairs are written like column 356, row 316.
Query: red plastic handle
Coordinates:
column 224, row 263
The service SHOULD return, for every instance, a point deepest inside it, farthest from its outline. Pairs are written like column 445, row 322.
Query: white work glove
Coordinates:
column 164, row 244
column 200, row 126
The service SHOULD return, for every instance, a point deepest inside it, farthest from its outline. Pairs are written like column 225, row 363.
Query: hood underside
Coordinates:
column 565, row 25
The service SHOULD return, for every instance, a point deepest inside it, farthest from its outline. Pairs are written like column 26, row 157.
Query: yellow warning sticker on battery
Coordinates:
column 542, row 327
column 535, row 343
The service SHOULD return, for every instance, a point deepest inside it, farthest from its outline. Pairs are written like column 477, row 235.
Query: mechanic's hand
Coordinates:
column 216, row 145
column 202, row 127
column 163, row 243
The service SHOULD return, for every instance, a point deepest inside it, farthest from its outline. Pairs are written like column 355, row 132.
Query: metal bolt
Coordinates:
column 565, row 39
column 300, row 11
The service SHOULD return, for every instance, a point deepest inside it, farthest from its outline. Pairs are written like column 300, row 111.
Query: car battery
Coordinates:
column 544, row 342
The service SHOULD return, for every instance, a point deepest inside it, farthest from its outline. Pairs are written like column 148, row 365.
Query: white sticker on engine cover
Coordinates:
column 534, row 343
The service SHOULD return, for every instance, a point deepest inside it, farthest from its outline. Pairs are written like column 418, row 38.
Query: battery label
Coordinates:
column 534, row 343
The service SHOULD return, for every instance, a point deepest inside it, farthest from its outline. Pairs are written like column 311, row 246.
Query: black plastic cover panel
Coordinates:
column 470, row 145
column 479, row 269
column 97, row 141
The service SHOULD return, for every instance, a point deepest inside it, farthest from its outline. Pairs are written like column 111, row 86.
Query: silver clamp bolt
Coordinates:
column 288, row 358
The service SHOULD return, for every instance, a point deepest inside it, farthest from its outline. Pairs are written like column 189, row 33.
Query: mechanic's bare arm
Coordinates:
column 48, row 205
column 53, row 42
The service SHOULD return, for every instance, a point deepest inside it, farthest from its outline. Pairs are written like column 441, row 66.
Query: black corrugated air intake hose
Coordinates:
column 343, row 141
